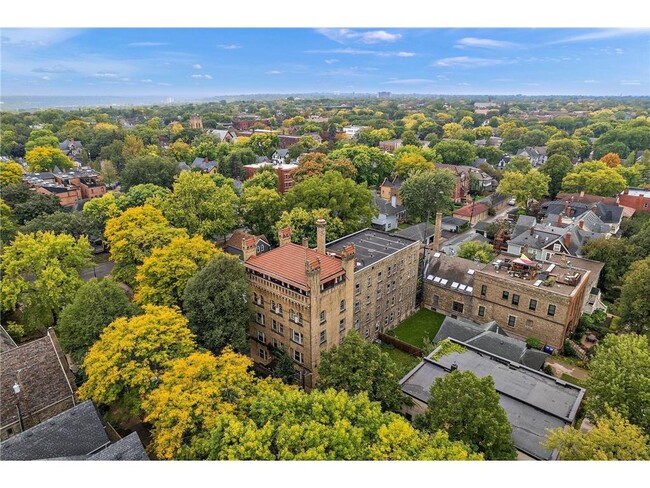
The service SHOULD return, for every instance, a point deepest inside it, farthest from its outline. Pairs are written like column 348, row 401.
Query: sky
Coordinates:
column 205, row 62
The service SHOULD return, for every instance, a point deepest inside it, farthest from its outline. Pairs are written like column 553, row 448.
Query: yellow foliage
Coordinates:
column 11, row 173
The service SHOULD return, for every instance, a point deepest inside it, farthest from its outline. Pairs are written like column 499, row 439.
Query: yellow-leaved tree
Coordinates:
column 11, row 173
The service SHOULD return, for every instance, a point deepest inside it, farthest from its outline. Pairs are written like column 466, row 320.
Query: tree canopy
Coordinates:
column 556, row 167
column 428, row 192
column 524, row 187
column 482, row 251
column 46, row 158
column 149, row 169
column 11, row 173
column 635, row 293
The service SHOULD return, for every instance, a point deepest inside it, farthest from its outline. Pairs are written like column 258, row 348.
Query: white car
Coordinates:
column 511, row 201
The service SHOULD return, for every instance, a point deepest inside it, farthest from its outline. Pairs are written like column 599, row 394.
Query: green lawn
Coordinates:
column 404, row 360
column 413, row 330
column 570, row 379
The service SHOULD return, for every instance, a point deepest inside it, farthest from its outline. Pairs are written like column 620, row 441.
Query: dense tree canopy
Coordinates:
column 524, row 187
column 11, row 173
column 426, row 193
column 76, row 224
column 372, row 165
column 46, row 158
column 594, row 178
column 149, row 169
column 456, row 152
column 482, row 251
column 260, row 209
column 635, row 296
column 556, row 167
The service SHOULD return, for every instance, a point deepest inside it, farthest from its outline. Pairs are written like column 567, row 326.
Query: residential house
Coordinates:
column 390, row 214
column 68, row 195
column 35, row 384
column 246, row 123
column 422, row 232
column 391, row 145
column 73, row 149
column 536, row 155
column 240, row 240
column 286, row 141
column 495, row 201
column 280, row 156
column 452, row 224
column 533, row 401
column 225, row 135
column 472, row 213
column 352, row 130
column 482, row 108
column 389, row 189
column 86, row 179
column 204, row 165
column 462, row 174
column 636, row 198
column 599, row 216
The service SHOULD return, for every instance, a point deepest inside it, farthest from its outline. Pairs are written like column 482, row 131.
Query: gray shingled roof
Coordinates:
column 385, row 208
column 418, row 231
column 129, row 448
column 76, row 432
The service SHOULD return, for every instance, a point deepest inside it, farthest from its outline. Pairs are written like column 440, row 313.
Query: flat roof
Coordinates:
column 452, row 272
column 533, row 401
column 371, row 246
column 637, row 192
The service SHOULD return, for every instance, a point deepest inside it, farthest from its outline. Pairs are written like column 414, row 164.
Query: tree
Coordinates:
column 483, row 133
column 163, row 275
column 617, row 254
column 215, row 303
column 372, row 164
column 40, row 272
column 265, row 177
column 524, row 187
column 594, row 178
column 467, row 407
column 260, row 209
column 131, row 355
column 612, row 439
column 409, row 138
column 491, row 154
column 75, row 224
column 620, row 378
column 138, row 195
column 199, row 206
column 11, row 173
column 348, row 201
column 7, row 224
column 233, row 164
column 358, row 365
column 133, row 235
column 426, row 193
column 611, row 159
column 101, row 209
column 149, row 169
column 264, row 144
column 303, row 224
column 193, row 392
column 133, row 147
column 412, row 162
column 556, row 167
column 564, row 146
column 180, row 151
column 283, row 368
column 456, row 152
column 97, row 303
column 41, row 138
column 452, row 130
column 27, row 204
column 482, row 251
column 519, row 164
column 46, row 158
column 634, row 304
column 318, row 163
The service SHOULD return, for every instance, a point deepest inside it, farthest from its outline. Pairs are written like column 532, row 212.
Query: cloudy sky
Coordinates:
column 200, row 62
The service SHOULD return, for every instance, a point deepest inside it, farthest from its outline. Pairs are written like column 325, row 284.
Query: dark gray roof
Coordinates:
column 417, row 232
column 524, row 223
column 183, row 166
column 370, row 245
column 203, row 165
column 452, row 272
column 6, row 342
column 385, row 208
column 281, row 153
column 129, row 448
column 76, row 432
column 449, row 220
column 533, row 401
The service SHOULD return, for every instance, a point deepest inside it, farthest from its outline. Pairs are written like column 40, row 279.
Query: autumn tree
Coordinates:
column 556, row 167
column 11, row 173
column 260, row 209
column 46, row 158
column 199, row 206
column 97, row 303
column 467, row 408
column 611, row 159
column 133, row 235
column 131, row 355
column 426, row 193
column 40, row 273
column 612, row 439
column 358, row 365
column 634, row 304
column 620, row 378
column 160, row 171
column 318, row 163
column 180, row 151
column 163, row 275
column 594, row 178
column 133, row 147
column 524, row 187
column 482, row 251
column 264, row 144
column 7, row 224
column 409, row 163
column 102, row 208
column 215, row 304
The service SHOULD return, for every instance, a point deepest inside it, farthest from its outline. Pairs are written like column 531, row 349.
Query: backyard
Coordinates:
column 405, row 361
column 420, row 326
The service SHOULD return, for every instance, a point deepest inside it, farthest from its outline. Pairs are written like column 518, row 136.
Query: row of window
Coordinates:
column 297, row 356
column 514, row 300
column 276, row 308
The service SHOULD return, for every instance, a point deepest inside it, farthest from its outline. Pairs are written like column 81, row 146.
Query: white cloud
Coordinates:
column 601, row 34
column 463, row 84
column 30, row 38
column 630, row 82
column 229, row 46
column 202, row 76
column 104, row 74
column 46, row 78
column 360, row 52
column 618, row 50
column 367, row 37
column 468, row 62
column 591, row 81
column 147, row 44
column 331, row 61
column 146, row 81
column 197, row 66
column 469, row 42
column 274, row 72
column 57, row 68
column 405, row 54
column 409, row 81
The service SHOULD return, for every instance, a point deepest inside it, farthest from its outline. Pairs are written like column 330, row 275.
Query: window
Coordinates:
column 389, row 271
column 369, row 280
column 368, row 317
column 532, row 305
column 377, row 326
column 342, row 306
column 292, row 315
column 341, row 325
column 323, row 337
column 379, row 278
column 512, row 320
column 366, row 333
column 278, row 309
column 436, row 299
column 263, row 354
column 258, row 299
column 259, row 318
column 458, row 307
column 277, row 327
column 529, row 324
column 322, row 316
column 357, row 289
column 481, row 311
column 378, row 294
column 274, row 342
column 556, row 247
column 357, row 306
column 505, row 295
column 515, row 299
column 551, row 310
column 298, row 356
column 483, row 290
column 300, row 317
column 296, row 336
column 356, row 324
column 261, row 337
column 368, row 299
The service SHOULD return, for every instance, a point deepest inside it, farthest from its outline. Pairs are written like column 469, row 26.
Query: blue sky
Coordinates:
column 198, row 62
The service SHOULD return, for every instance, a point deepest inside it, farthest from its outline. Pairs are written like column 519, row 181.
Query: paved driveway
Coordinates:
column 100, row 270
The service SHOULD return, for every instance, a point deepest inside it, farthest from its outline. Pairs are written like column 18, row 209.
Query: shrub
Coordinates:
column 534, row 343
column 548, row 370
column 567, row 350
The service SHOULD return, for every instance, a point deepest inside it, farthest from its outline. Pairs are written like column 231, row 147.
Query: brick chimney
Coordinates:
column 567, row 240
column 581, row 224
column 532, row 230
column 248, row 248
column 437, row 231
column 559, row 221
column 305, row 242
column 284, row 236
column 320, row 236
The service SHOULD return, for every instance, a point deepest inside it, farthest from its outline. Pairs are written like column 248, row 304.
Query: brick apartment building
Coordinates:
column 527, row 298
column 70, row 186
column 636, row 198
column 307, row 300
column 285, row 174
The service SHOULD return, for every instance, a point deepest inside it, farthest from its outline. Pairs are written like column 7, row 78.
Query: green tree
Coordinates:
column 617, row 254
column 26, row 204
column 215, row 303
column 101, row 209
column 76, row 224
column 138, row 195
column 265, row 177
column 407, row 163
column 612, row 439
column 303, row 224
column 149, row 169
column 556, row 167
column 7, row 224
column 456, row 152
column 40, row 272
column 564, row 146
column 358, row 365
column 131, row 355
column 594, row 178
column 260, row 209
column 11, row 173
column 372, row 164
column 409, row 138
column 283, row 368
column 133, row 147
column 232, row 166
column 491, row 154
column 348, row 201
column 634, row 304
column 426, row 193
column 199, row 206
column 519, row 164
column 264, row 144
column 524, row 187
column 620, row 378
column 180, row 151
column 133, row 235
column 41, row 138
column 468, row 408
column 482, row 251
column 96, row 304
column 46, row 158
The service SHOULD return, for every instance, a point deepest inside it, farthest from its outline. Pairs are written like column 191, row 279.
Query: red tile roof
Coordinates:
column 470, row 210
column 287, row 263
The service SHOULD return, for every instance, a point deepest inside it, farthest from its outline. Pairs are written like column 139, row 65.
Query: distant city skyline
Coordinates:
column 204, row 62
